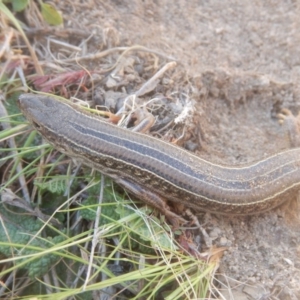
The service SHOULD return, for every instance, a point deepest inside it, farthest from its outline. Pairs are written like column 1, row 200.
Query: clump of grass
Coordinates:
column 129, row 251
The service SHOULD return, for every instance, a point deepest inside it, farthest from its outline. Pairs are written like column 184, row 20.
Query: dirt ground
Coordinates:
column 243, row 65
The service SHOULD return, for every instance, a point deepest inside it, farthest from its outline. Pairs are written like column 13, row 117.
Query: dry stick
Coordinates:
column 12, row 145
column 96, row 232
column 61, row 44
column 6, row 45
column 112, row 50
column 148, row 86
column 60, row 32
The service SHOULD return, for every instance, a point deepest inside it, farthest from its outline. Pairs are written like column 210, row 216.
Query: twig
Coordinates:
column 96, row 233
column 151, row 83
column 116, row 49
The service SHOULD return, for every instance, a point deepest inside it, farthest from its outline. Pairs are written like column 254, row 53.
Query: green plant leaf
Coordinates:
column 19, row 5
column 50, row 14
column 16, row 241
column 56, row 185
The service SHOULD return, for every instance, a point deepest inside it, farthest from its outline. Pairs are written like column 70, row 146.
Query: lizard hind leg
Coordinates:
column 152, row 199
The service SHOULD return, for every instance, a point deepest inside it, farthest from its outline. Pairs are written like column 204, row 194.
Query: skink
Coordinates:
column 155, row 170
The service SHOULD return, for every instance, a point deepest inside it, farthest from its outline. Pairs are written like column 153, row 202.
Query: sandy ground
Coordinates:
column 243, row 62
